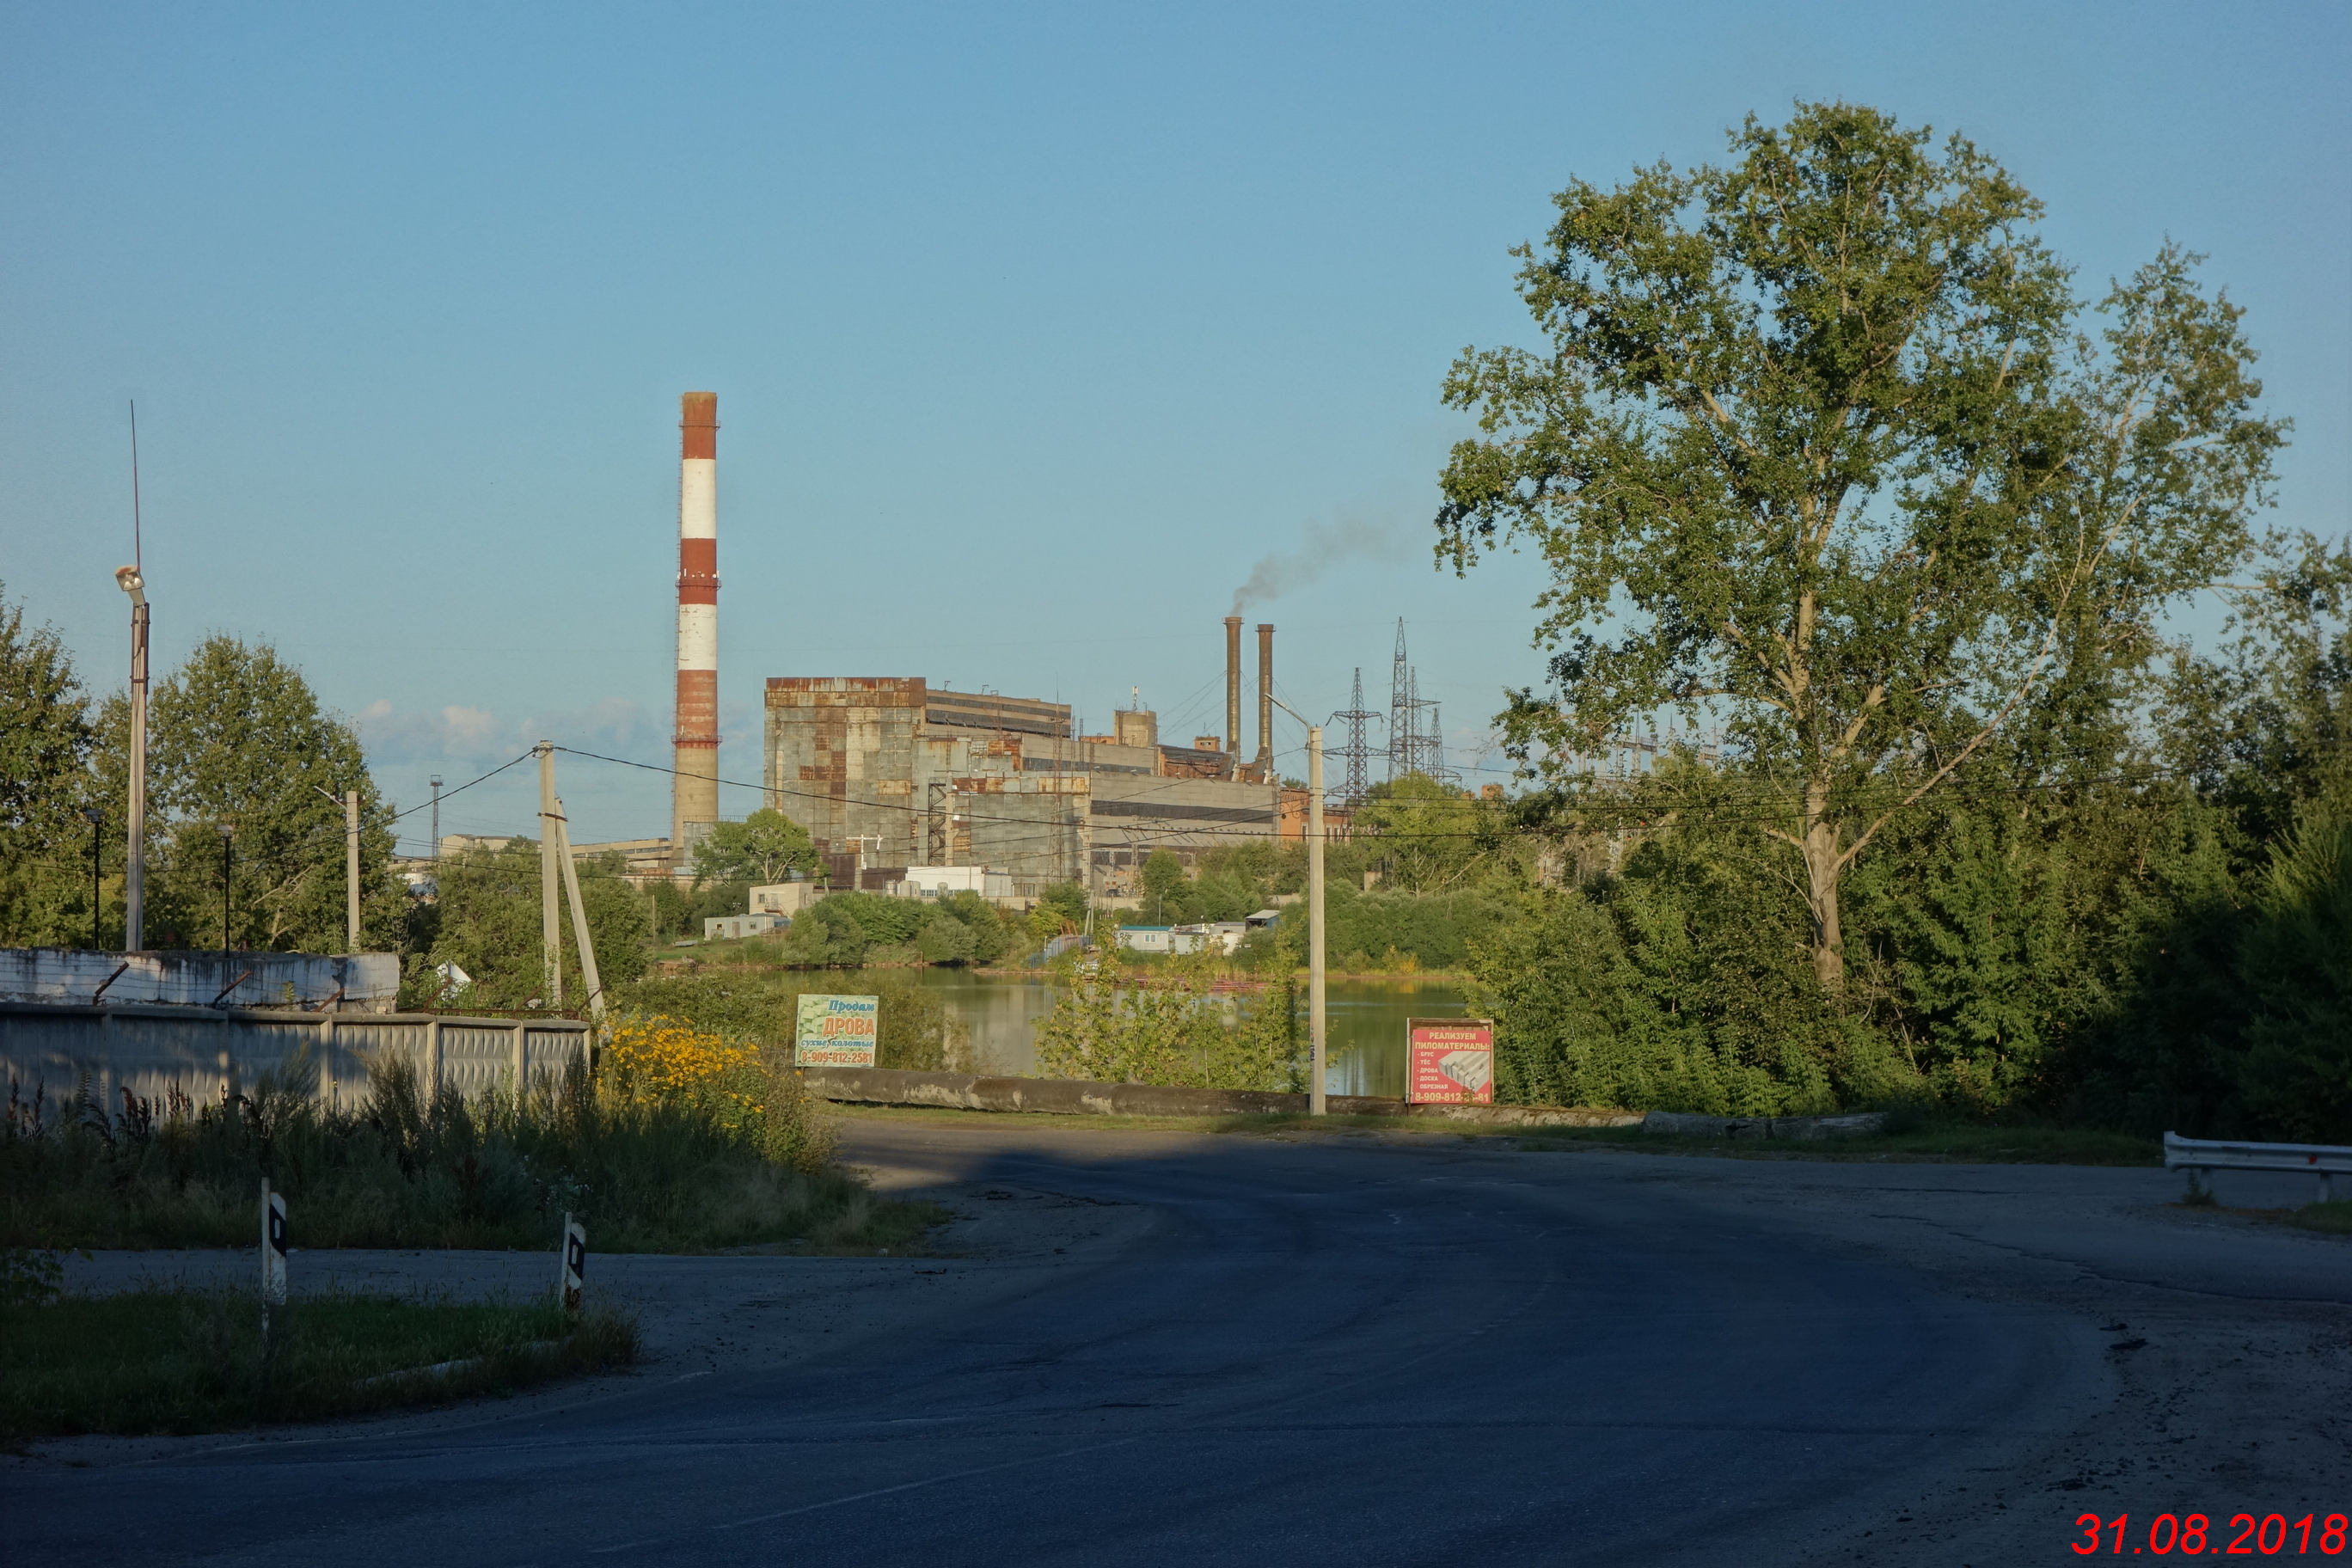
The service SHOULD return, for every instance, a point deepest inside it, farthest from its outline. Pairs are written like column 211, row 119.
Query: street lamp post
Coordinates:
column 1316, row 1015
column 134, row 873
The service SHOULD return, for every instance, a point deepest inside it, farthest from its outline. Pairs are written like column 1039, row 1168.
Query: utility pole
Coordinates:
column 1315, row 1010
column 550, row 935
column 1316, row 1017
column 351, row 870
column 134, row 874
column 435, row 782
column 579, row 933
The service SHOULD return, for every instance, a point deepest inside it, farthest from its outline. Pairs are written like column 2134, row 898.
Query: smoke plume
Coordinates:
column 1324, row 546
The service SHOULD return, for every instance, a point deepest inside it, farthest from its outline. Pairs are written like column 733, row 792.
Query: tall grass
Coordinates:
column 735, row 1158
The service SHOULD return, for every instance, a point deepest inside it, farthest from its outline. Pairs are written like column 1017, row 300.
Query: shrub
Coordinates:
column 1112, row 1028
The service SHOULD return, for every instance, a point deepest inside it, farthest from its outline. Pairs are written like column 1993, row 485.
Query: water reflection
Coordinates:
column 1366, row 1022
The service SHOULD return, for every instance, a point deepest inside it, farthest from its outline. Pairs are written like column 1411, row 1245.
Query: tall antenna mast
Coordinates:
column 138, row 554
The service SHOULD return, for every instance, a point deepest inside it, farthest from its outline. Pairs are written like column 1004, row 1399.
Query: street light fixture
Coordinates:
column 134, row 873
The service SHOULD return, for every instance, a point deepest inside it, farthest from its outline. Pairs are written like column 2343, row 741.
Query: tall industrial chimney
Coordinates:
column 1233, row 691
column 1264, row 702
column 694, row 791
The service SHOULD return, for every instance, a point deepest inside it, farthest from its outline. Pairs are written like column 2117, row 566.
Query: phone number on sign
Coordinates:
column 2244, row 1536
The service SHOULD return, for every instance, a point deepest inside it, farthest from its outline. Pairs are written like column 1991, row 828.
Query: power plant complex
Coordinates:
column 890, row 772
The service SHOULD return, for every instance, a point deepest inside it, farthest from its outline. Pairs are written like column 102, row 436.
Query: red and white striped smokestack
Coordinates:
column 694, row 793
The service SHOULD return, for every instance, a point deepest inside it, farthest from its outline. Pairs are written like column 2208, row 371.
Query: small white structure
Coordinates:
column 732, row 928
column 931, row 881
column 1162, row 938
column 1224, row 936
column 1265, row 919
column 785, row 899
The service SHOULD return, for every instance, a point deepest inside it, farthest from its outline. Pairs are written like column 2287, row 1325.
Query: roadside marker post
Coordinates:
column 573, row 1273
column 273, row 1246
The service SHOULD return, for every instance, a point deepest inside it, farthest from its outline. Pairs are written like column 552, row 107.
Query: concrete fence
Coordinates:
column 203, row 1051
column 350, row 981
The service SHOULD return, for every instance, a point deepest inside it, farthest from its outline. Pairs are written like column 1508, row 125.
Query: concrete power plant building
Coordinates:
column 888, row 772
column 694, row 788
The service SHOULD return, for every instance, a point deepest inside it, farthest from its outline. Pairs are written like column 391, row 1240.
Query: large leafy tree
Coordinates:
column 1815, row 446
column 45, row 744
column 237, row 738
column 761, row 847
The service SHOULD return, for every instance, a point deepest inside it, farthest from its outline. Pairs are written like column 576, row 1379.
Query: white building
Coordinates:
column 932, row 881
column 785, row 899
column 732, row 928
column 1162, row 938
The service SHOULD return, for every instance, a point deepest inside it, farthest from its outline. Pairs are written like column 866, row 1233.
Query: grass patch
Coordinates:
column 194, row 1361
column 2336, row 1219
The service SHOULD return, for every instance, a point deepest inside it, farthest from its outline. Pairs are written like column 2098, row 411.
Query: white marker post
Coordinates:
column 273, row 1256
column 574, row 1270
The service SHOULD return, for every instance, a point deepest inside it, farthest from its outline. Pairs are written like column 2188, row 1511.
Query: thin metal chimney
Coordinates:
column 1234, row 688
column 1265, row 702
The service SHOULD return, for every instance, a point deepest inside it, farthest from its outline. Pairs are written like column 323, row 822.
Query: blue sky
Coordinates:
column 1034, row 328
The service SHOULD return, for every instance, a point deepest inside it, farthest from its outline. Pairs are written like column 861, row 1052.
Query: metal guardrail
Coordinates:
column 2200, row 1157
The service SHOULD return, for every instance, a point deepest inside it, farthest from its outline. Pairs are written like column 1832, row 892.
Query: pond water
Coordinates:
column 1366, row 1021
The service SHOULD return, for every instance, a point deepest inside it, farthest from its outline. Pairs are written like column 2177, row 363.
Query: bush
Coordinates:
column 1111, row 1029
column 917, row 1033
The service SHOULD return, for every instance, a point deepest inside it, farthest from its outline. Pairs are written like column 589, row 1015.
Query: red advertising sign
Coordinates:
column 1449, row 1061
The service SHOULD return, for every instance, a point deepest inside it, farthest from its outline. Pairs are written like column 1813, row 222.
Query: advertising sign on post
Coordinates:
column 1449, row 1061
column 836, row 1031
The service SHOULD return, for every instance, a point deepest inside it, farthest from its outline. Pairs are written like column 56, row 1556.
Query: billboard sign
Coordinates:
column 1449, row 1061
column 836, row 1031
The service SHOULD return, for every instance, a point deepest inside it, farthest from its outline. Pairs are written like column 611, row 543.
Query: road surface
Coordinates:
column 1413, row 1349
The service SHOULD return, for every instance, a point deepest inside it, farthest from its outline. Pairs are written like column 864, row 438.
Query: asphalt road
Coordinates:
column 1414, row 1351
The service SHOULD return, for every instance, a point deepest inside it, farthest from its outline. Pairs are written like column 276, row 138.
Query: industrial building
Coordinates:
column 888, row 772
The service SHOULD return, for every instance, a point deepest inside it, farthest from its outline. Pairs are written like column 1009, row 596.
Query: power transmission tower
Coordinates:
column 1399, row 746
column 1355, row 756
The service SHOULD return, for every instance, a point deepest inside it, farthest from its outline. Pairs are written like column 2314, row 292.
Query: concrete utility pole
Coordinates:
column 134, row 876
column 550, row 932
column 580, row 934
column 1315, row 1010
column 351, row 870
column 1317, row 1016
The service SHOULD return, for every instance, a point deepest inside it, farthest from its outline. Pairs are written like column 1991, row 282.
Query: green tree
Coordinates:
column 825, row 935
column 237, row 737
column 1814, row 444
column 1163, row 874
column 1430, row 835
column 761, row 848
column 489, row 926
column 45, row 745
